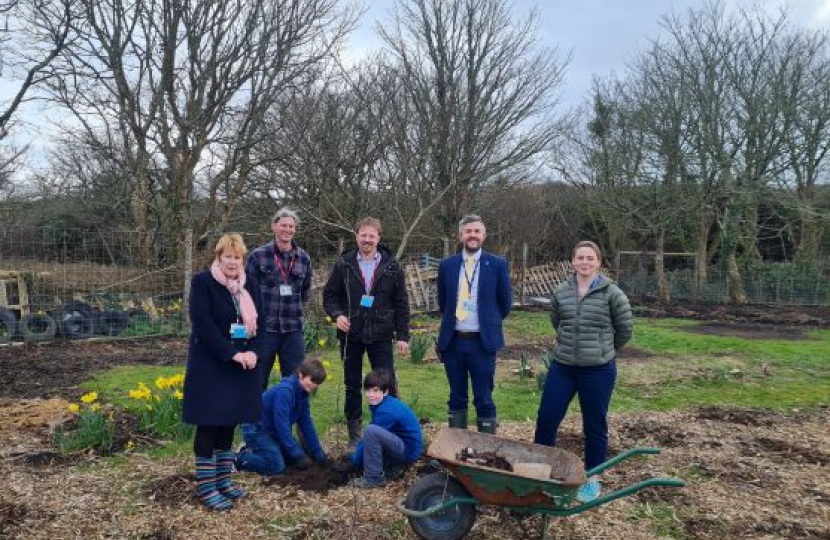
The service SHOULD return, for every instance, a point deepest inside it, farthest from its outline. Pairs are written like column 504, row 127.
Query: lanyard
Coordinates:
column 368, row 284
column 235, row 301
column 283, row 271
column 470, row 279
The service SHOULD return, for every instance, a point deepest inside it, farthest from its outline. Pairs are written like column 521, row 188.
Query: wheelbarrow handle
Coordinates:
column 620, row 457
column 433, row 509
column 624, row 492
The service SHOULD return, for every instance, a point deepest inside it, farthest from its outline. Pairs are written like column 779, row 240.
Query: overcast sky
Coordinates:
column 602, row 35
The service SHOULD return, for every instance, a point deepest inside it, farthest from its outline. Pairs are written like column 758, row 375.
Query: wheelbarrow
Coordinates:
column 543, row 480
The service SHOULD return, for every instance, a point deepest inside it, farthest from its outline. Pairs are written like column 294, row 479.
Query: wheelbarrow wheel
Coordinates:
column 452, row 523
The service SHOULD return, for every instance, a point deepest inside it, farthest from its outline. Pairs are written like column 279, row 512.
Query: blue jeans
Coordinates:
column 289, row 346
column 381, row 448
column 594, row 385
column 380, row 357
column 467, row 358
column 263, row 453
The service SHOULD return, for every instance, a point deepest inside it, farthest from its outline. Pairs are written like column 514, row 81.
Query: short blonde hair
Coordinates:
column 368, row 222
column 230, row 242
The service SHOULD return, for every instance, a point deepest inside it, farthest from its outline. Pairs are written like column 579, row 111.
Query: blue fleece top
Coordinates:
column 284, row 405
column 394, row 416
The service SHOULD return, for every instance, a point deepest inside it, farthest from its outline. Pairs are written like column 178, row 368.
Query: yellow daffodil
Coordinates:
column 328, row 319
column 177, row 379
column 162, row 383
column 322, row 342
column 73, row 408
column 326, row 364
column 178, row 394
column 90, row 397
column 129, row 446
column 95, row 407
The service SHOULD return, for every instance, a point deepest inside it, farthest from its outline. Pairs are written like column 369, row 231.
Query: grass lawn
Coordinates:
column 680, row 370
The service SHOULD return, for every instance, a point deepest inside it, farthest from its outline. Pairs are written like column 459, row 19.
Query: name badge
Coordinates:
column 470, row 305
column 238, row 331
column 285, row 290
column 367, row 301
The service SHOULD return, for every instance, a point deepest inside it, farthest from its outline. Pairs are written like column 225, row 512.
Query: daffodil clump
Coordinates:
column 319, row 334
column 160, row 409
column 93, row 428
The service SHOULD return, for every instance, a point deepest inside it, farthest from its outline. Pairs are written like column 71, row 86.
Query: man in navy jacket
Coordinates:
column 474, row 296
column 269, row 443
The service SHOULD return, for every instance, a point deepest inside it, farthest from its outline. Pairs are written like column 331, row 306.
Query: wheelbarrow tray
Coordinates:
column 491, row 485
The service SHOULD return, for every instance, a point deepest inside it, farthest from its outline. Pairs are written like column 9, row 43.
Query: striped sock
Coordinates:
column 206, row 485
column 224, row 467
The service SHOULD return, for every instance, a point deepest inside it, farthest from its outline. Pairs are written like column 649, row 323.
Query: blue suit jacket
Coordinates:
column 495, row 298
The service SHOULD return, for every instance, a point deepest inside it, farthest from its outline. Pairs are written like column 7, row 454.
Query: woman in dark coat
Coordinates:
column 222, row 383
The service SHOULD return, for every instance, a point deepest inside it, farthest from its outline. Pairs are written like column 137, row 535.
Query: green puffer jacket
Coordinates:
column 589, row 332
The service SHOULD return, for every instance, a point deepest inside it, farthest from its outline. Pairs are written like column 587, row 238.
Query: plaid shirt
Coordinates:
column 280, row 313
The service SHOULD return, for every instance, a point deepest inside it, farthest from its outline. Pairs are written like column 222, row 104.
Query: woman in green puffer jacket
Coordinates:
column 592, row 319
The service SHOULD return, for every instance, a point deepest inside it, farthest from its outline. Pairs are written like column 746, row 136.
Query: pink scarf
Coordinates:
column 237, row 289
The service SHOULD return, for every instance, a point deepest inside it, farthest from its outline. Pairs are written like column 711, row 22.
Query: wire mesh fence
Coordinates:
column 65, row 283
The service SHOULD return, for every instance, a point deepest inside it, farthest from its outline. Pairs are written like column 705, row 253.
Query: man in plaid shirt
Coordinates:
column 281, row 270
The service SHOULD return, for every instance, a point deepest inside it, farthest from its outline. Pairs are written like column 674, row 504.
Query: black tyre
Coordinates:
column 454, row 522
column 111, row 323
column 8, row 326
column 76, row 320
column 38, row 327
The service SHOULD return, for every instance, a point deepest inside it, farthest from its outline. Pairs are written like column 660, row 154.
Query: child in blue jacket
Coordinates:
column 393, row 439
column 269, row 443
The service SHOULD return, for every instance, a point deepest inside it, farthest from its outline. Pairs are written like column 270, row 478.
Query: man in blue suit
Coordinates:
column 474, row 296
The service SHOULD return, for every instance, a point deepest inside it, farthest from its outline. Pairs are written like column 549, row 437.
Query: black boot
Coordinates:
column 457, row 419
column 487, row 425
column 355, row 431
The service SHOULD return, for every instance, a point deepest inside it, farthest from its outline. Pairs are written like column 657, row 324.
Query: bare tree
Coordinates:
column 34, row 34
column 480, row 93
column 186, row 87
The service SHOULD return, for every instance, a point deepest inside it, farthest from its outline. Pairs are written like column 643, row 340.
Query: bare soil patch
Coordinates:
column 817, row 316
column 748, row 330
column 56, row 369
column 315, row 479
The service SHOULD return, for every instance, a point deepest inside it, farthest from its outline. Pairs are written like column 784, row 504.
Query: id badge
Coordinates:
column 238, row 331
column 285, row 290
column 367, row 301
column 470, row 305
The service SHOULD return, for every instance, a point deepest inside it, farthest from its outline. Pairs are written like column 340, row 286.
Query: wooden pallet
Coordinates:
column 13, row 285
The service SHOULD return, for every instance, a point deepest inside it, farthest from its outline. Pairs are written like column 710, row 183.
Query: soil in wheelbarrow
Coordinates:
column 484, row 459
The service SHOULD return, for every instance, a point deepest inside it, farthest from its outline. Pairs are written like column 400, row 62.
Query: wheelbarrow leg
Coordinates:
column 545, row 519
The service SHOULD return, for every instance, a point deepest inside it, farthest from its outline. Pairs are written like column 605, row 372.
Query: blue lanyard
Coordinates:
column 469, row 279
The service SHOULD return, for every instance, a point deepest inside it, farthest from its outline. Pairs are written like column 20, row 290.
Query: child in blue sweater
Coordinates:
column 393, row 438
column 269, row 443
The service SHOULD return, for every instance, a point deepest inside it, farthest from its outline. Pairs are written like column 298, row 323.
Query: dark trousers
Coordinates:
column 466, row 358
column 290, row 347
column 263, row 453
column 211, row 438
column 382, row 449
column 594, row 385
column 380, row 357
